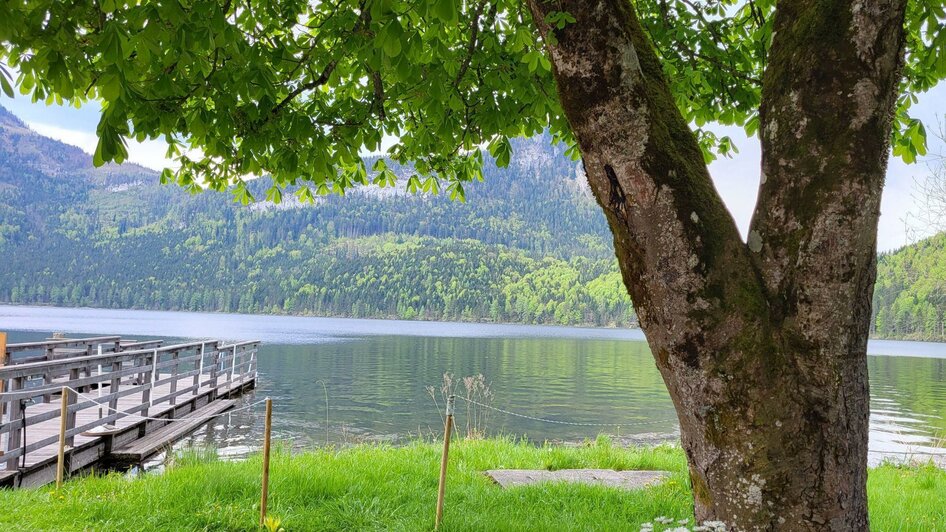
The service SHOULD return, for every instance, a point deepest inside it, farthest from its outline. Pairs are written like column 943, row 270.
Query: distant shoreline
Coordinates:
column 343, row 327
column 583, row 325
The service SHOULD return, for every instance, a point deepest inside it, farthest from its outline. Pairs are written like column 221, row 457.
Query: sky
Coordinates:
column 736, row 178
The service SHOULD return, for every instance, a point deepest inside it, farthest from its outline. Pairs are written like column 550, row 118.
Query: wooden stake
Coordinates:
column 266, row 446
column 61, row 463
column 447, row 430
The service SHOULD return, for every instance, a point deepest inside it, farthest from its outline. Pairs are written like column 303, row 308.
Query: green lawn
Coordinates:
column 394, row 488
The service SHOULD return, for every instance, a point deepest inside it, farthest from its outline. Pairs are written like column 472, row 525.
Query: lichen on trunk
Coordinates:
column 762, row 344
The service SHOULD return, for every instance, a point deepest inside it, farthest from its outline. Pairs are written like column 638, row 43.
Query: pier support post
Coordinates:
column 447, row 430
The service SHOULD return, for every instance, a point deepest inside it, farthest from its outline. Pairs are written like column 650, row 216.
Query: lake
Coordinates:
column 348, row 380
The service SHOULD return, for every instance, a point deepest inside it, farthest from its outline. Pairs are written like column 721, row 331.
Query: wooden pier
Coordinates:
column 120, row 383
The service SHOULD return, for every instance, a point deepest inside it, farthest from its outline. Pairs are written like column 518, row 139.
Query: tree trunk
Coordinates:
column 762, row 345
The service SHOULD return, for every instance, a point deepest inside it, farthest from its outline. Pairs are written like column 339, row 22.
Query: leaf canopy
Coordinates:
column 301, row 89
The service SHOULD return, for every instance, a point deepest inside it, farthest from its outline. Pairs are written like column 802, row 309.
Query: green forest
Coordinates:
column 528, row 246
column 910, row 294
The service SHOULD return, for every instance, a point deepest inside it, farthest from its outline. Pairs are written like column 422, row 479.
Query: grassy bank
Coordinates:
column 394, row 488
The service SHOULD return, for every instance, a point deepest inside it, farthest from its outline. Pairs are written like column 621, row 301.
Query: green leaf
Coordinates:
column 413, row 184
column 111, row 44
column 102, row 153
column 242, row 194
column 752, row 126
column 5, row 85
column 533, row 59
column 446, row 10
column 431, row 185
column 391, row 38
column 110, row 86
column 501, row 150
column 274, row 194
column 456, row 192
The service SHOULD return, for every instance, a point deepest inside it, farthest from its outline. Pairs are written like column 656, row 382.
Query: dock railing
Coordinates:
column 188, row 369
column 27, row 352
column 58, row 349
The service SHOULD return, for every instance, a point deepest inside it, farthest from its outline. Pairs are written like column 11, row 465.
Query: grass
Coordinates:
column 376, row 487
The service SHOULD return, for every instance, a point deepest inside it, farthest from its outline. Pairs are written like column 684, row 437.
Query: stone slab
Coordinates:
column 628, row 480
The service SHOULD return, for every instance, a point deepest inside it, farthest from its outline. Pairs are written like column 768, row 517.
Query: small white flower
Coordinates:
column 664, row 520
column 717, row 526
column 683, row 521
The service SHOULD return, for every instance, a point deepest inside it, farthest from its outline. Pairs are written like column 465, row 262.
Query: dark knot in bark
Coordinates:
column 617, row 200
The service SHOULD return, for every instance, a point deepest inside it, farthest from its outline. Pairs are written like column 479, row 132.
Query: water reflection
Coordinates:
column 908, row 406
column 375, row 382
column 376, row 389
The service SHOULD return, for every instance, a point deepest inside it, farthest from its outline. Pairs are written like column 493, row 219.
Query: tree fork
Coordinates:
column 762, row 345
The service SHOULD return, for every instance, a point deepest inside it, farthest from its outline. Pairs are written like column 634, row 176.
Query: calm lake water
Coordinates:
column 345, row 380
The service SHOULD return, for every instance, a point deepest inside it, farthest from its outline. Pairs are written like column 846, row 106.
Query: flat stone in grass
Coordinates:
column 629, row 480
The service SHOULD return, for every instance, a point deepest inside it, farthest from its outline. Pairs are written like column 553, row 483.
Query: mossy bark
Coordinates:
column 762, row 345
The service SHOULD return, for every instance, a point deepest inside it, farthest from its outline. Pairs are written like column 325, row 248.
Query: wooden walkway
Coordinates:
column 127, row 393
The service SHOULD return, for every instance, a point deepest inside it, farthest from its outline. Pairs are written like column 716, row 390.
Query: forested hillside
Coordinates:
column 910, row 294
column 529, row 245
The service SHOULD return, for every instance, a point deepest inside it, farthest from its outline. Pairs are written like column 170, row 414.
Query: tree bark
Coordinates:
column 762, row 344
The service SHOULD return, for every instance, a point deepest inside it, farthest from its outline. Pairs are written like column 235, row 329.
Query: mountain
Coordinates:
column 529, row 245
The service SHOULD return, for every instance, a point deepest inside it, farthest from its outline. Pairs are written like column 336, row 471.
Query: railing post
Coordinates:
column 140, row 379
column 47, row 381
column 16, row 414
column 214, row 369
column 149, row 381
column 244, row 365
column 100, row 384
column 71, row 416
column 114, row 386
column 175, row 356
column 89, row 351
column 200, row 369
column 232, row 366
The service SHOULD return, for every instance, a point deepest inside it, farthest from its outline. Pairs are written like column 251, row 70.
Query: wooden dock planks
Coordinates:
column 188, row 381
column 154, row 442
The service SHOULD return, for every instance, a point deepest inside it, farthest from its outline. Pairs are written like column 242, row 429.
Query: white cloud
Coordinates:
column 737, row 179
column 81, row 139
column 149, row 153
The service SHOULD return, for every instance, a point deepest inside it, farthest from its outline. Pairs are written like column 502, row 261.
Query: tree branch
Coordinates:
column 471, row 44
column 321, row 80
column 824, row 150
column 676, row 242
